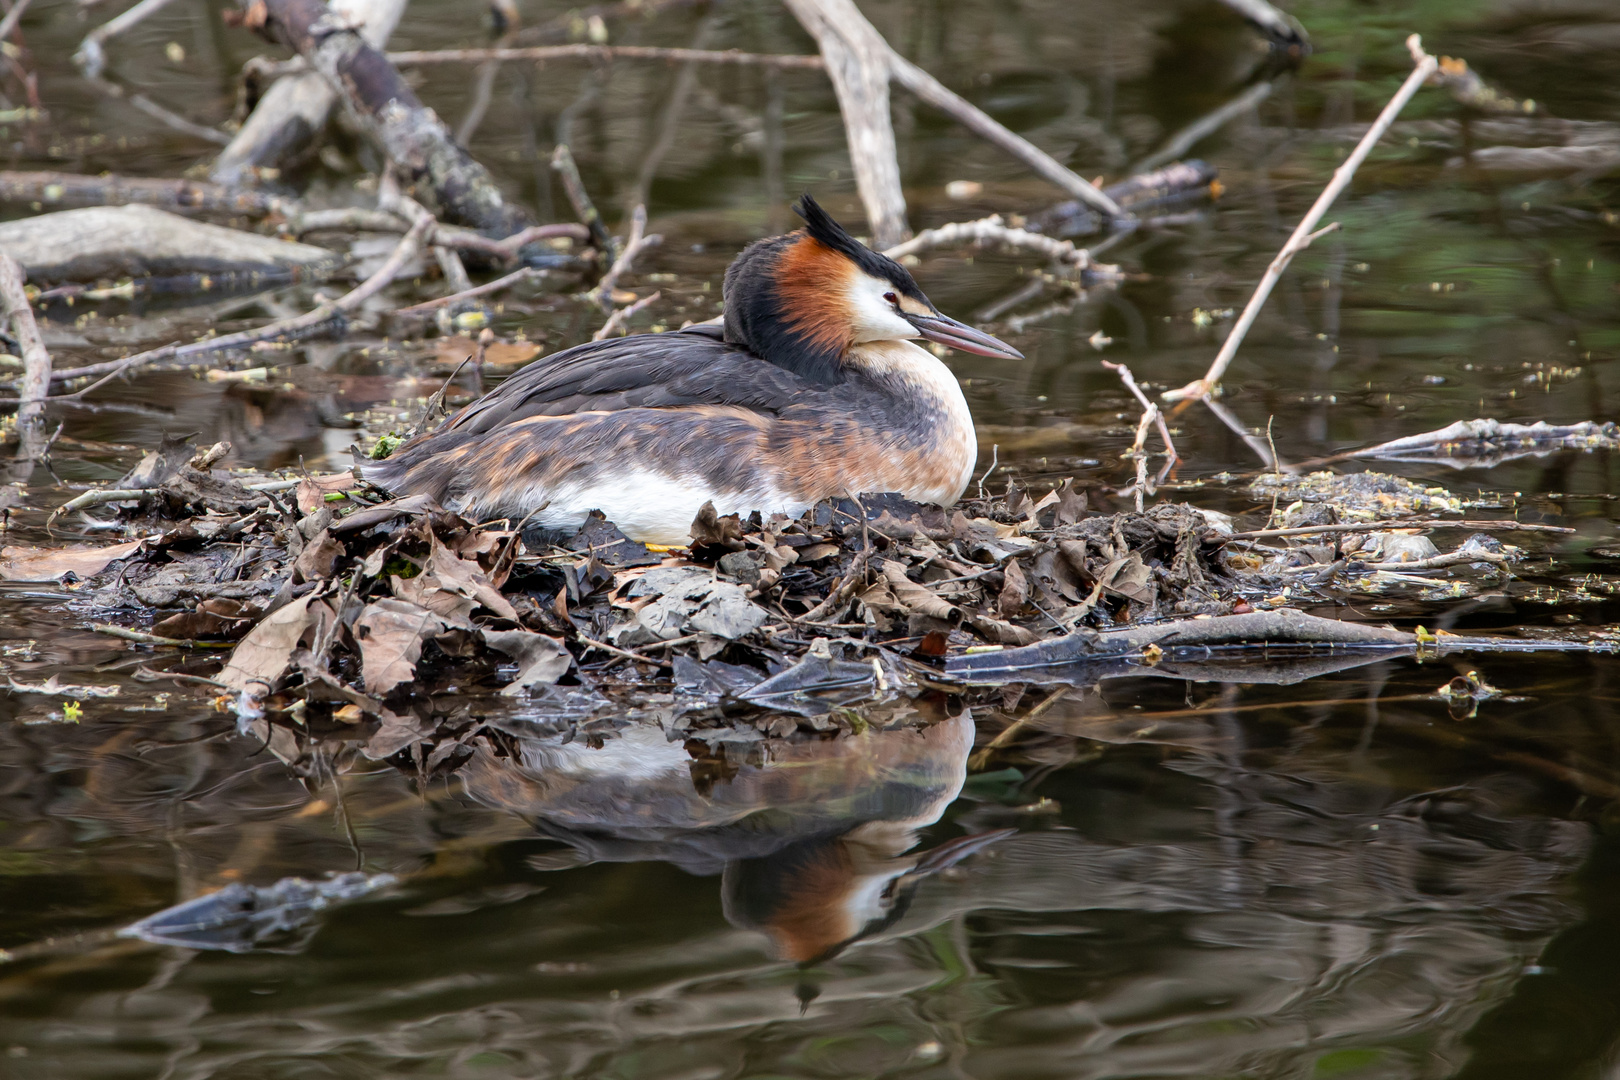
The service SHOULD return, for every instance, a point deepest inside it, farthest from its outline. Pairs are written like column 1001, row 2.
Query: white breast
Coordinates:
column 921, row 376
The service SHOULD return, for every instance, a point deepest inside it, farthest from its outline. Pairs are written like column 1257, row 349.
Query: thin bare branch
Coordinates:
column 1304, row 231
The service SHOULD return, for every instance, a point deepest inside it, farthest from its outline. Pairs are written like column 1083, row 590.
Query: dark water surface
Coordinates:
column 1338, row 878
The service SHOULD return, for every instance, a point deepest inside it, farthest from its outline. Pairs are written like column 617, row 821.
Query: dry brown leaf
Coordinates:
column 427, row 591
column 318, row 559
column 1015, row 592
column 49, row 564
column 541, row 660
column 390, row 633
column 467, row 578
column 263, row 657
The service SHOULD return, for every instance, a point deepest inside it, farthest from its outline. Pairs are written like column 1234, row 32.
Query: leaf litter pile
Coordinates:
column 316, row 608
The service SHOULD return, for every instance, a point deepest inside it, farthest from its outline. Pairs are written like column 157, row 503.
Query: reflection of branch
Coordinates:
column 1304, row 232
column 1182, row 141
column 1253, row 441
column 90, row 57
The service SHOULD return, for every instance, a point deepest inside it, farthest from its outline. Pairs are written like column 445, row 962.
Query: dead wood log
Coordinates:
column 58, row 189
column 294, row 110
column 142, row 241
column 388, row 110
column 1258, row 631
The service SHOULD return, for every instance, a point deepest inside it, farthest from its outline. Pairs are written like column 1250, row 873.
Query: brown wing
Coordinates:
column 688, row 367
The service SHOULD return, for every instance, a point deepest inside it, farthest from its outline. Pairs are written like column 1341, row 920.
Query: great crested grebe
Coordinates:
column 811, row 390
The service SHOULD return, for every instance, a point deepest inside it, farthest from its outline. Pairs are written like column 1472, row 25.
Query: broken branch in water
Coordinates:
column 36, row 380
column 1305, row 231
column 562, row 162
column 391, row 114
column 623, row 315
column 1150, row 415
column 294, row 111
column 634, row 245
column 1284, row 31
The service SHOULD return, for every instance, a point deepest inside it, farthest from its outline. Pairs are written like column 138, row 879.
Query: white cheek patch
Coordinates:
column 874, row 318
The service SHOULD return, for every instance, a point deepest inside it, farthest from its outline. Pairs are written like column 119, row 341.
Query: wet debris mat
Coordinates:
column 316, row 608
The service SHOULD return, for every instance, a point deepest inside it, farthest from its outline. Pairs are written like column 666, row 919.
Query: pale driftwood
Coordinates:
column 143, row 241
column 36, row 380
column 542, row 53
column 860, row 66
column 299, row 325
column 1596, row 160
column 1304, row 232
column 91, row 57
column 388, row 110
column 75, row 189
column 992, row 230
column 293, row 112
column 622, row 316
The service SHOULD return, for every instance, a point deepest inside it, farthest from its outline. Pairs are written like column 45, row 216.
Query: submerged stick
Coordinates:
column 1305, row 232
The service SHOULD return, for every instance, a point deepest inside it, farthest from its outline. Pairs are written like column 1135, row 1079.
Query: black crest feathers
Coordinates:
column 821, row 226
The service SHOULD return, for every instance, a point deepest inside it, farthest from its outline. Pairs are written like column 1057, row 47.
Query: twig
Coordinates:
column 992, row 229
column 623, row 315
column 156, row 639
column 455, row 274
column 1304, row 231
column 1150, row 415
column 519, row 240
column 477, row 290
column 983, row 755
column 36, row 380
column 1129, row 380
column 1384, row 526
column 14, row 16
column 634, row 245
column 542, row 53
column 616, row 651
column 562, row 161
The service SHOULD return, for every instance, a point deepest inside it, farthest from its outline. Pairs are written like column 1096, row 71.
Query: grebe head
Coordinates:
column 803, row 300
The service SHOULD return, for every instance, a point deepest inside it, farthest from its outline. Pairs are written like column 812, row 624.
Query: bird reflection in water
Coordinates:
column 813, row 840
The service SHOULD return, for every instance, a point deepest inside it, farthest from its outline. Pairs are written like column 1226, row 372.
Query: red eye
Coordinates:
column 891, row 298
